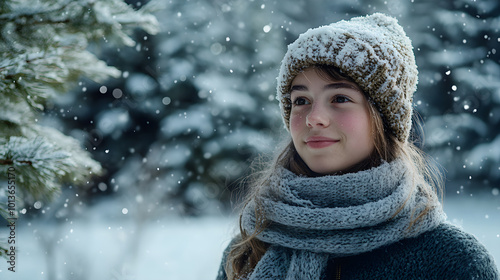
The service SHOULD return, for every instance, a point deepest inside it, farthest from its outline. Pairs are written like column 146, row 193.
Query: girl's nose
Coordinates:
column 318, row 116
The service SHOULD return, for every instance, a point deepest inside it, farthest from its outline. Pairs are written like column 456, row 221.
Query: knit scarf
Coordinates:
column 314, row 219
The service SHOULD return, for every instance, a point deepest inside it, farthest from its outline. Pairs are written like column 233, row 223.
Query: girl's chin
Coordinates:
column 325, row 171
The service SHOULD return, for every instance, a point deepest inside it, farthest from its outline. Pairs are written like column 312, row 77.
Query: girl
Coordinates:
column 350, row 197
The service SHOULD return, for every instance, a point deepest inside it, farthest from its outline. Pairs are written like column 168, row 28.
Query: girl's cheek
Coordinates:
column 296, row 121
column 353, row 123
column 358, row 127
column 347, row 123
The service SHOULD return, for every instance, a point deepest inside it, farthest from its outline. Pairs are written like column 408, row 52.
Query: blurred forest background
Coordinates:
column 195, row 103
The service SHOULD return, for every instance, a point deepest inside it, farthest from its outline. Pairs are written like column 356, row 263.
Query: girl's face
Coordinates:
column 329, row 122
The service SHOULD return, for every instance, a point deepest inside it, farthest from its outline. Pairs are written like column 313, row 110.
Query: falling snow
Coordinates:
column 195, row 104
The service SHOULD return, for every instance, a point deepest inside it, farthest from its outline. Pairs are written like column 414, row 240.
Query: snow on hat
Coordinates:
column 374, row 51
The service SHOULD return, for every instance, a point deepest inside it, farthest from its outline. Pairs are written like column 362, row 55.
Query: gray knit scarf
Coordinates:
column 313, row 219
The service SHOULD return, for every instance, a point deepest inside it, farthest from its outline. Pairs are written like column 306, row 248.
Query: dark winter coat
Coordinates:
column 443, row 253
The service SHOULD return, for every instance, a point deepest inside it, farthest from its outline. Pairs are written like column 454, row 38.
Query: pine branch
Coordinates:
column 43, row 53
column 11, row 162
column 42, row 49
column 37, row 163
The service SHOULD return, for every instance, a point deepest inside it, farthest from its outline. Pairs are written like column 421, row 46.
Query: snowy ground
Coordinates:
column 175, row 248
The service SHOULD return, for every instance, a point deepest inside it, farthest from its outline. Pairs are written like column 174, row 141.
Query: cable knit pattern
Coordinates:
column 313, row 219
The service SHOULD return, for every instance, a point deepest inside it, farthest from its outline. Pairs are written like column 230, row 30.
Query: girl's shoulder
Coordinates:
column 446, row 252
column 452, row 240
column 453, row 252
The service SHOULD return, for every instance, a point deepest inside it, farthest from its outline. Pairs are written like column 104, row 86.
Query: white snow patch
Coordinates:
column 443, row 129
column 195, row 119
column 112, row 120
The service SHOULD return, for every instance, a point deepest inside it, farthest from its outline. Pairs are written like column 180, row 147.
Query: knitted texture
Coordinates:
column 374, row 51
column 446, row 252
column 313, row 219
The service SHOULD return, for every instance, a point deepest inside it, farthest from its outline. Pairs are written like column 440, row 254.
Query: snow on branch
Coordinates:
column 44, row 52
column 44, row 44
column 37, row 163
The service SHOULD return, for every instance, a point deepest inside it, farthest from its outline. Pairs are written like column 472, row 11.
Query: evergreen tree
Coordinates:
column 44, row 50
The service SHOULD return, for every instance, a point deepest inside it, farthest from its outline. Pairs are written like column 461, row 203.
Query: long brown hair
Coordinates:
column 248, row 250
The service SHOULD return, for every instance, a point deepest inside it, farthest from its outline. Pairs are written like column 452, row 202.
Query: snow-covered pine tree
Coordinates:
column 43, row 53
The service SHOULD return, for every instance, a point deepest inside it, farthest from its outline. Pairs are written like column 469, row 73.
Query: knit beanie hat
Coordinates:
column 374, row 51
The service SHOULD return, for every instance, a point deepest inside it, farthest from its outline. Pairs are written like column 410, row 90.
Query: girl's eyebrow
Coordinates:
column 326, row 87
column 298, row 88
column 340, row 85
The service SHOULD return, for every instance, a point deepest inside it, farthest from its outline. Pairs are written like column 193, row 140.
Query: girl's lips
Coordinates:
column 318, row 142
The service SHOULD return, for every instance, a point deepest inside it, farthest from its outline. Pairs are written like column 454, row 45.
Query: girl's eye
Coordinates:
column 340, row 99
column 300, row 101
